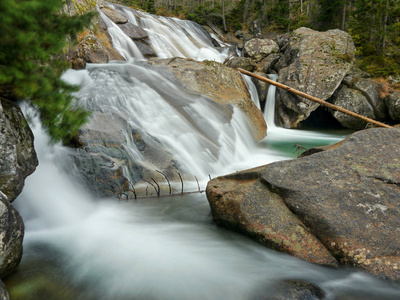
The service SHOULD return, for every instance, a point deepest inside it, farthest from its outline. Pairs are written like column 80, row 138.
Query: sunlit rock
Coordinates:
column 345, row 198
column 222, row 84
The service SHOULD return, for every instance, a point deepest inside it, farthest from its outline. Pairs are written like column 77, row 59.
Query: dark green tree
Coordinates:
column 34, row 34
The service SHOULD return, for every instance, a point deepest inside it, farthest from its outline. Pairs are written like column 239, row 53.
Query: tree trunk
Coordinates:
column 288, row 26
column 385, row 19
column 223, row 15
column 245, row 11
column 343, row 20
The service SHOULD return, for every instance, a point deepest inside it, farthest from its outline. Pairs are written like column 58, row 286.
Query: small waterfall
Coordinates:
column 121, row 42
column 169, row 37
column 269, row 110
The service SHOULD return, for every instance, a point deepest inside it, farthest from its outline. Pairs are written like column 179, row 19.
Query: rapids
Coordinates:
column 80, row 247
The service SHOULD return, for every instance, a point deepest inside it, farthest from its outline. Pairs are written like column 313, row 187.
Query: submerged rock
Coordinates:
column 345, row 198
column 315, row 63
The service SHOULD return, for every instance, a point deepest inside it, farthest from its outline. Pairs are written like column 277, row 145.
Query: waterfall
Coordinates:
column 169, row 37
column 269, row 109
column 80, row 247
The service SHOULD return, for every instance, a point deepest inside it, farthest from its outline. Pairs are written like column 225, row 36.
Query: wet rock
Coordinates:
column 11, row 237
column 114, row 15
column 218, row 82
column 393, row 104
column 104, row 162
column 262, row 86
column 354, row 101
column 292, row 290
column 345, row 198
column 257, row 49
column 134, row 32
column 244, row 63
column 315, row 63
column 17, row 154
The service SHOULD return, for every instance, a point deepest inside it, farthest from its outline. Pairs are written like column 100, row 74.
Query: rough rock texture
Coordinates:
column 220, row 83
column 94, row 44
column 17, row 154
column 3, row 292
column 103, row 159
column 354, row 101
column 393, row 104
column 346, row 197
column 315, row 63
column 267, row 64
column 140, row 37
column 262, row 87
column 114, row 15
column 258, row 49
column 244, row 63
column 11, row 237
column 292, row 290
column 240, row 201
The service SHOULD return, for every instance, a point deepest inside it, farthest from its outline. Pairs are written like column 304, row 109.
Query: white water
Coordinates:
column 164, row 248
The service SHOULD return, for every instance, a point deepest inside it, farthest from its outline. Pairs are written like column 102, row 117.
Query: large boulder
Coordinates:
column 354, row 101
column 315, row 63
column 17, row 154
column 257, row 49
column 11, row 237
column 346, row 198
column 218, row 82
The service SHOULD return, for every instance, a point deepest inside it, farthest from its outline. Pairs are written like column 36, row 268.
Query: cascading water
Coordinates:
column 79, row 247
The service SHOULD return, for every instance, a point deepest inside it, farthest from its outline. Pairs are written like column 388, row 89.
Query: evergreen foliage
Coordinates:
column 33, row 36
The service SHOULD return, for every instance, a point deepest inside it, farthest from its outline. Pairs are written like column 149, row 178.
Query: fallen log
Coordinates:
column 315, row 99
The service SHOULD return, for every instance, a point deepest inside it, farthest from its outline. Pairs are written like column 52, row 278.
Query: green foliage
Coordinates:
column 202, row 14
column 33, row 36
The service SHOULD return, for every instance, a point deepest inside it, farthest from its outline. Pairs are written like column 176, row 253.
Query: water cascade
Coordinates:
column 80, row 247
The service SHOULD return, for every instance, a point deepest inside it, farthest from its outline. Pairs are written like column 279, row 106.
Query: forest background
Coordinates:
column 373, row 24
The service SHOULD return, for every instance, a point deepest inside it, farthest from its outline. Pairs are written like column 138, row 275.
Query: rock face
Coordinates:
column 315, row 63
column 17, row 161
column 3, row 292
column 103, row 159
column 17, row 154
column 220, row 83
column 258, row 49
column 354, row 101
column 11, row 237
column 94, row 45
column 346, row 198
